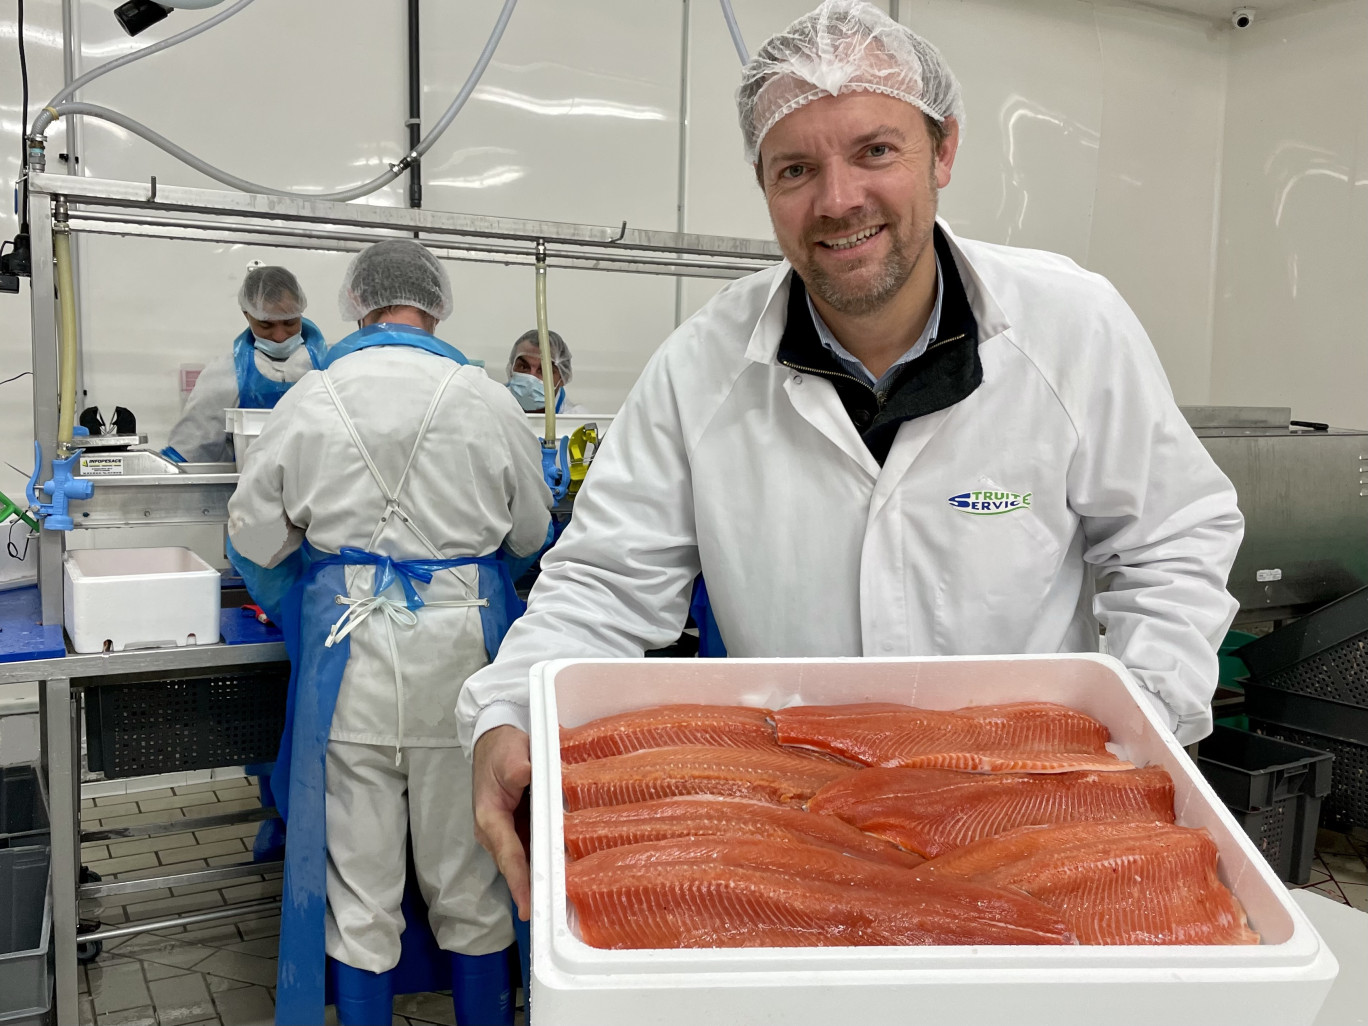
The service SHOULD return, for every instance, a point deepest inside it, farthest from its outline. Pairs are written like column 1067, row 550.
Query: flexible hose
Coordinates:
column 544, row 344
column 66, row 300
column 242, row 184
column 45, row 117
column 735, row 31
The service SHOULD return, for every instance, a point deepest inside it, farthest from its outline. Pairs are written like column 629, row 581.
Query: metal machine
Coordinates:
column 1303, row 489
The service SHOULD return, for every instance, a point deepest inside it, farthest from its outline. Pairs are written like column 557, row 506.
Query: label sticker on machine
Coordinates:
column 1264, row 576
column 102, row 466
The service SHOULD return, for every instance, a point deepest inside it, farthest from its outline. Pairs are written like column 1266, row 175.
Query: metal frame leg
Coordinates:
column 61, row 747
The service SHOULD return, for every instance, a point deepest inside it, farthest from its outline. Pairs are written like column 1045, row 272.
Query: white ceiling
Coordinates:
column 1220, row 10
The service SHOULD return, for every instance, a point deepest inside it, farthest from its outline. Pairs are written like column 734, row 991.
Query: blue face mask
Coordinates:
column 278, row 350
column 528, row 390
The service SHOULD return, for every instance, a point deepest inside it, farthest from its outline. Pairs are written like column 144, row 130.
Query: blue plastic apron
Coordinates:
column 255, row 390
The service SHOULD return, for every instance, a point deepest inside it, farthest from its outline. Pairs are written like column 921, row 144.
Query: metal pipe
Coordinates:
column 544, row 344
column 252, row 908
column 271, row 867
column 66, row 324
column 415, row 113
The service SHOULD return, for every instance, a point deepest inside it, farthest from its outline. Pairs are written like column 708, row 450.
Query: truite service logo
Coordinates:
column 990, row 504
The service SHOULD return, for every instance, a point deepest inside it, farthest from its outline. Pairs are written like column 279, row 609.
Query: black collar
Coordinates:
column 948, row 371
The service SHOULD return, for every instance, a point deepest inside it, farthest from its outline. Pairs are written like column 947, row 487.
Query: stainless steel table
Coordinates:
column 59, row 680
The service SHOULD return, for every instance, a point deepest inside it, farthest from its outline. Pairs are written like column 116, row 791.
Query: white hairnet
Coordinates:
column 560, row 352
column 396, row 272
column 843, row 46
column 272, row 294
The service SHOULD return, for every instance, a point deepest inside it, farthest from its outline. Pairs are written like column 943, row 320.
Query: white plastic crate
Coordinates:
column 1281, row 982
column 140, row 598
column 244, row 426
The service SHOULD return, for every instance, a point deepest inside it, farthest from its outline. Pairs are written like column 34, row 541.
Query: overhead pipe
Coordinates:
column 415, row 112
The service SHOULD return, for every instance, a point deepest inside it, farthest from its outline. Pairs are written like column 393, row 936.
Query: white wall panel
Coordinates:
column 1031, row 75
column 1155, row 207
column 1292, row 287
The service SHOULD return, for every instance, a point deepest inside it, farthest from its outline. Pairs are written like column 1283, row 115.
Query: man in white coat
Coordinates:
column 894, row 443
column 400, row 471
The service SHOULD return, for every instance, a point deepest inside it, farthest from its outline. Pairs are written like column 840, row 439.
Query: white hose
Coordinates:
column 45, row 118
column 735, row 31
column 242, row 184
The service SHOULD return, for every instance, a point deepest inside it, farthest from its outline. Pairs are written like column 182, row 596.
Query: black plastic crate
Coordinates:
column 1346, row 806
column 198, row 723
column 1324, row 654
column 1317, row 715
column 23, row 812
column 1274, row 789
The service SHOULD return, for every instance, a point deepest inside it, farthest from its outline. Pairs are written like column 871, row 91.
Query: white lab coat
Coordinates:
column 723, row 460
column 199, row 435
column 474, row 483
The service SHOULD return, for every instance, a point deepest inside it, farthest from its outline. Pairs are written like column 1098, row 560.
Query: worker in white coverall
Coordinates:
column 524, row 373
column 279, row 346
column 398, row 471
column 894, row 443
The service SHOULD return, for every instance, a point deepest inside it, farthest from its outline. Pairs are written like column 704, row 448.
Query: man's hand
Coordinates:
column 502, row 770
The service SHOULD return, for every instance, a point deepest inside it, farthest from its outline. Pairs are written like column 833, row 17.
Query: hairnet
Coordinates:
column 843, row 46
column 560, row 352
column 271, row 294
column 396, row 272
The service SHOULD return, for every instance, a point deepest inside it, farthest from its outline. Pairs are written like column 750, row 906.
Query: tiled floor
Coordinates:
column 215, row 973
column 1341, row 868
column 224, row 973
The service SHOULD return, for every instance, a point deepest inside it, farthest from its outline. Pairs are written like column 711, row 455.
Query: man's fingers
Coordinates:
column 502, row 771
column 494, row 829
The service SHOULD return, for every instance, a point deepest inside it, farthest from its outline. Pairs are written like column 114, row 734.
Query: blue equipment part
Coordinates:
column 62, row 488
column 556, row 467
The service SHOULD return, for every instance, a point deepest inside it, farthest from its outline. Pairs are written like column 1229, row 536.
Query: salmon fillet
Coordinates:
column 1114, row 883
column 665, row 726
column 775, row 776
column 1027, row 736
column 729, row 892
column 615, row 826
column 933, row 812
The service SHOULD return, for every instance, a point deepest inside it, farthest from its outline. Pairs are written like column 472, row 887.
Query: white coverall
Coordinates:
column 474, row 483
column 199, row 435
column 724, row 460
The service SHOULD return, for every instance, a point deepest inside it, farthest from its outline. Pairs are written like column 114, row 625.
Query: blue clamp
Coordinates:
column 556, row 467
column 62, row 488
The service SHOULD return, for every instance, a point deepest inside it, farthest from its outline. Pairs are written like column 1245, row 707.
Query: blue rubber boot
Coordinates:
column 363, row 998
column 480, row 991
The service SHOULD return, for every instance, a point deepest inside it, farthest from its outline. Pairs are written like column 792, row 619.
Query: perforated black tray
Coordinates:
column 186, row 724
column 1324, row 654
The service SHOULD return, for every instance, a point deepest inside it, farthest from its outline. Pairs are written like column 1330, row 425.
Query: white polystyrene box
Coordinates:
column 140, row 598
column 1281, row 982
column 244, row 425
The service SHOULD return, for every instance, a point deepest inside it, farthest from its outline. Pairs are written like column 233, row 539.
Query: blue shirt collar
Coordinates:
column 859, row 370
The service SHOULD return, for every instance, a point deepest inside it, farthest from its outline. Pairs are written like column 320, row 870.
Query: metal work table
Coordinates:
column 60, row 680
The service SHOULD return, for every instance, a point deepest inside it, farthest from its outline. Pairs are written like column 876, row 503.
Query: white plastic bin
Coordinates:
column 244, row 426
column 140, row 598
column 1281, row 982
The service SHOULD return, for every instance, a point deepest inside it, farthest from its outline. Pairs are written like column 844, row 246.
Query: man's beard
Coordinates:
column 849, row 298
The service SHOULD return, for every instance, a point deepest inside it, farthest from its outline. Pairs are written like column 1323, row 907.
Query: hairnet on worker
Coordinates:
column 844, row 46
column 560, row 353
column 396, row 272
column 272, row 294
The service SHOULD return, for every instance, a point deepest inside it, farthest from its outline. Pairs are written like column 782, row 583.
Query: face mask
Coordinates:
column 528, row 390
column 278, row 350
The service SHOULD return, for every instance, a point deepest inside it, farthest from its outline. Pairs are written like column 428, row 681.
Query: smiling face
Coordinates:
column 851, row 182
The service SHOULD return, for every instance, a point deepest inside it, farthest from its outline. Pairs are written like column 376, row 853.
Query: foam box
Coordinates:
column 1281, row 982
column 117, row 599
column 244, row 425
